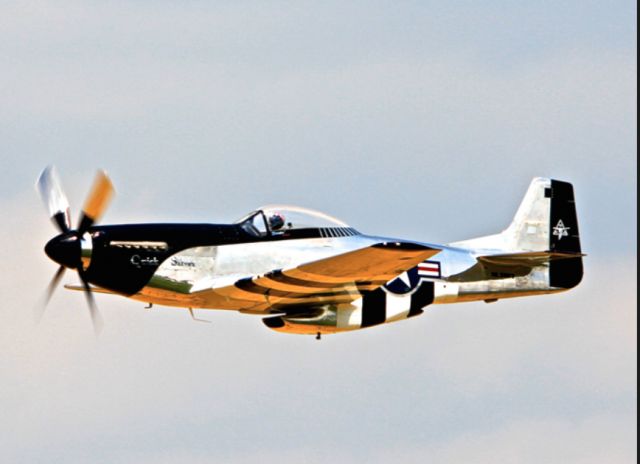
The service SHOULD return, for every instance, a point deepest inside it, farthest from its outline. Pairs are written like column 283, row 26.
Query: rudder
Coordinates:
column 564, row 236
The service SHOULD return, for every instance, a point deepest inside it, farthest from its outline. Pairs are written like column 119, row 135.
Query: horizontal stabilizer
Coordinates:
column 508, row 265
column 527, row 258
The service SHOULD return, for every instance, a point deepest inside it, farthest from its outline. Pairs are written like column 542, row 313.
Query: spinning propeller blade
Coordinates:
column 55, row 281
column 96, row 318
column 54, row 284
column 96, row 203
column 55, row 200
column 65, row 248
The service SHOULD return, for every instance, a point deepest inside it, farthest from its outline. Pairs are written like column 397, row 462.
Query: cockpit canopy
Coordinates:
column 293, row 221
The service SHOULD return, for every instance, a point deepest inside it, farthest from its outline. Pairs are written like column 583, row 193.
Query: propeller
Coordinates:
column 72, row 248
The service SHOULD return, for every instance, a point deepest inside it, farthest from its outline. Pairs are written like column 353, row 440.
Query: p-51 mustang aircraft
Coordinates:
column 309, row 273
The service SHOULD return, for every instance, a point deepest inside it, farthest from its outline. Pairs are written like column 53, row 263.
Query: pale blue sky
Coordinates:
column 419, row 120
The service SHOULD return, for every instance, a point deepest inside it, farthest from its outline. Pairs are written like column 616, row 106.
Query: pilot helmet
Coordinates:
column 276, row 221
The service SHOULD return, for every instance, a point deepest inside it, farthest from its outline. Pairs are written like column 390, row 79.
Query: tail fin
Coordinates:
column 545, row 221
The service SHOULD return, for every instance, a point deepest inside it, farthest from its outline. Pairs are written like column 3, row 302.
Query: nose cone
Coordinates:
column 65, row 250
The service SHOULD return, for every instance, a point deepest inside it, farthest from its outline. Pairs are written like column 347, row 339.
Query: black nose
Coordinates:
column 65, row 250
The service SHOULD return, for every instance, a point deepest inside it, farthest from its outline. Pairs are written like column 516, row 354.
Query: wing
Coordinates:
column 94, row 288
column 334, row 280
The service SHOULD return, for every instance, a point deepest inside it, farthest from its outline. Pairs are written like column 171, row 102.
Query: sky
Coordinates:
column 419, row 120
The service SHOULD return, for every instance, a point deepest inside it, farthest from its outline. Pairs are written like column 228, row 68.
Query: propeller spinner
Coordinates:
column 72, row 248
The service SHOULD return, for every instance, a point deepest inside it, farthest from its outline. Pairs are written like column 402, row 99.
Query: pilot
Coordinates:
column 276, row 221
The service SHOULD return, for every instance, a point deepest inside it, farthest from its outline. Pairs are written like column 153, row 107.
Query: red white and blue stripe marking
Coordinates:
column 429, row 269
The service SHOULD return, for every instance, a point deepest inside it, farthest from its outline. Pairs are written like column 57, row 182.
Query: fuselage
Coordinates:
column 172, row 264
